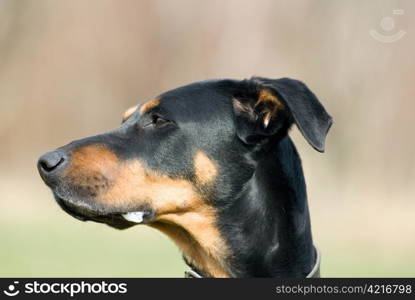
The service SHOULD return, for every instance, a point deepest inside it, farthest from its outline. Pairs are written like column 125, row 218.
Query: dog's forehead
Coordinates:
column 198, row 100
column 206, row 104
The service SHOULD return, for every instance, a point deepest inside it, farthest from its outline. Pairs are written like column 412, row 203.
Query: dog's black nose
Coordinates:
column 50, row 162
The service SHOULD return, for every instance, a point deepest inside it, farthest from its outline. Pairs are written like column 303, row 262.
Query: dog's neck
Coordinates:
column 268, row 227
column 265, row 230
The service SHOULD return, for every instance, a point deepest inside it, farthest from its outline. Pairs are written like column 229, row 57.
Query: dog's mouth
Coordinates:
column 117, row 219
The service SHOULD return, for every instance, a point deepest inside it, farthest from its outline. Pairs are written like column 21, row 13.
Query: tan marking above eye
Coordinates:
column 129, row 112
column 146, row 107
column 205, row 169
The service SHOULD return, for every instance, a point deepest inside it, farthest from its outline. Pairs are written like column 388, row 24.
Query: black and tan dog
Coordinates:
column 210, row 164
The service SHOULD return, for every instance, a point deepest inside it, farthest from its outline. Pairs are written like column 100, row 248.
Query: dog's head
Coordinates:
column 179, row 159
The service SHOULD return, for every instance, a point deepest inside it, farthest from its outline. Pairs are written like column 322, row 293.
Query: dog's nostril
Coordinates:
column 50, row 161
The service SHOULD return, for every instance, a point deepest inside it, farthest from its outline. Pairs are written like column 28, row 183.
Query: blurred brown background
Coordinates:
column 69, row 69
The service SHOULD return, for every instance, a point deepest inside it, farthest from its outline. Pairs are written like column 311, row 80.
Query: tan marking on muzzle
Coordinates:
column 92, row 168
column 129, row 112
column 97, row 157
column 205, row 169
column 146, row 107
column 181, row 211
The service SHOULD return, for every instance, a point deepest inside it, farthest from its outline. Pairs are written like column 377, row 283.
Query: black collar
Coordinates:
column 314, row 273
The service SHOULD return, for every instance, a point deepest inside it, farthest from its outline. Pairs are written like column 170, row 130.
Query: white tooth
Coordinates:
column 136, row 216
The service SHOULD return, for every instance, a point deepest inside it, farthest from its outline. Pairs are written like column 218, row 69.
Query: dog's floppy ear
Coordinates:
column 270, row 105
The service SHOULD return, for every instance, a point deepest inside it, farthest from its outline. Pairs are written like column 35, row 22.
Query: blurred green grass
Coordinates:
column 75, row 249
column 64, row 247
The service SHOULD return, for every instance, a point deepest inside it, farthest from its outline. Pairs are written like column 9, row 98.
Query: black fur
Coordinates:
column 259, row 194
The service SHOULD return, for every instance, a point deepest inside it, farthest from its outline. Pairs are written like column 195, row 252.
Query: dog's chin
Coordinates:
column 121, row 219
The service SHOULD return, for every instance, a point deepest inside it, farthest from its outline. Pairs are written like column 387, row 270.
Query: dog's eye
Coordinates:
column 157, row 121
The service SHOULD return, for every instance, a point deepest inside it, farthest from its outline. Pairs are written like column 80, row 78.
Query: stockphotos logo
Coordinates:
column 71, row 289
column 387, row 24
column 12, row 290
